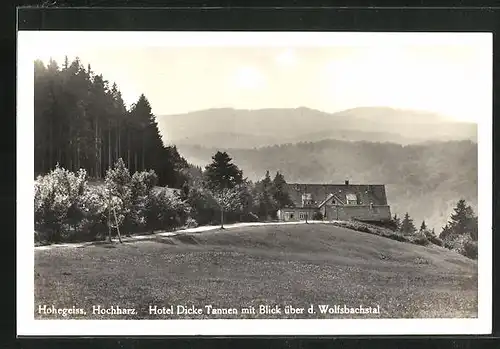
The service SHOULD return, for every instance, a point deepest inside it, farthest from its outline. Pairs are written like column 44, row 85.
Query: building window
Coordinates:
column 307, row 199
column 302, row 215
column 351, row 199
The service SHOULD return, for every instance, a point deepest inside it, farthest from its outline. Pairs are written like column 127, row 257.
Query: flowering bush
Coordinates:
column 204, row 206
column 463, row 244
column 141, row 185
column 94, row 210
column 119, row 192
column 56, row 200
column 118, row 178
column 143, row 182
column 165, row 209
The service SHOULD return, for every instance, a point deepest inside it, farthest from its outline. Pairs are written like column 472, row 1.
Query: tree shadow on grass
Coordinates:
column 166, row 240
column 187, row 239
column 102, row 244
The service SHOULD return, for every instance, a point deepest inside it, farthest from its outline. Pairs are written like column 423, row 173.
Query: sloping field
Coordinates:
column 274, row 265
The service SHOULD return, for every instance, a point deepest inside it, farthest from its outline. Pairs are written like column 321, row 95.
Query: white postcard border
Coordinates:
column 30, row 42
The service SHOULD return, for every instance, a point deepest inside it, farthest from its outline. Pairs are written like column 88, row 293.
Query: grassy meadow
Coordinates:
column 296, row 265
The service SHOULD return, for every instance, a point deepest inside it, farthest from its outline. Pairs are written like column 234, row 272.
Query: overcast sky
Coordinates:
column 453, row 79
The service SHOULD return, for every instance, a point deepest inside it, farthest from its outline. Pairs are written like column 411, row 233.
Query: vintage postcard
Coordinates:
column 254, row 183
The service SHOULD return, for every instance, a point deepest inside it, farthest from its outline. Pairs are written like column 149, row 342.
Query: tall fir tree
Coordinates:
column 445, row 232
column 279, row 191
column 222, row 173
column 462, row 223
column 423, row 227
column 266, row 203
column 461, row 219
column 397, row 222
column 407, row 226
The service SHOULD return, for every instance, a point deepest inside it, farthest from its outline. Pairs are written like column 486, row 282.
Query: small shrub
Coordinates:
column 317, row 216
column 419, row 239
column 165, row 210
column 454, row 242
column 250, row 217
column 397, row 237
column 470, row 249
column 366, row 228
column 422, row 240
column 435, row 240
column 191, row 223
column 388, row 224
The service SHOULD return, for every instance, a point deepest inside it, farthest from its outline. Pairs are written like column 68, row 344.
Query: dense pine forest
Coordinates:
column 81, row 121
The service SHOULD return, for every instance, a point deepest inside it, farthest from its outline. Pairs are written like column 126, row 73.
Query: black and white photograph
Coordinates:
column 261, row 178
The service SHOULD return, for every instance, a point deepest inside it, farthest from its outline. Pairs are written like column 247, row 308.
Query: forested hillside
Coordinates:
column 81, row 122
column 424, row 179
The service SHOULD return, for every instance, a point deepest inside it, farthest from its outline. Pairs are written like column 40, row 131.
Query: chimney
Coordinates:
column 346, row 182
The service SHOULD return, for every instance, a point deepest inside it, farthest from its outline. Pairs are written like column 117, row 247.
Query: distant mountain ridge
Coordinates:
column 239, row 128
